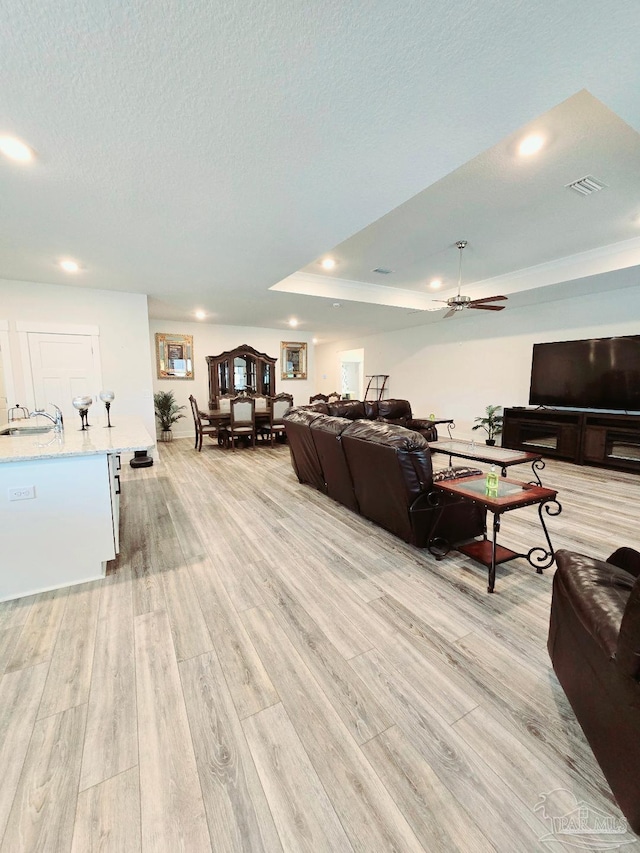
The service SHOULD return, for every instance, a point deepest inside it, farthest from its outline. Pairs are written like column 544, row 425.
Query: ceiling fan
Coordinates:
column 458, row 302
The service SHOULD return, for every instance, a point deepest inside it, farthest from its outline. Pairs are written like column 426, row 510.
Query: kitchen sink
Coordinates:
column 26, row 430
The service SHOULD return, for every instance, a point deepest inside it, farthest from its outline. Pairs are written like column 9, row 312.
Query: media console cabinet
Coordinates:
column 586, row 438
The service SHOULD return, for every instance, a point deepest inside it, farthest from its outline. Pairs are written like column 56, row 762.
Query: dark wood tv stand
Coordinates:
column 586, row 438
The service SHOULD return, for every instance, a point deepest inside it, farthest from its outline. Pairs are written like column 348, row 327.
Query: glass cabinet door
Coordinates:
column 239, row 373
column 223, row 377
column 266, row 378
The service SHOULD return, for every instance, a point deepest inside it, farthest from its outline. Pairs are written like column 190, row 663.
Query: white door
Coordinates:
column 4, row 403
column 63, row 367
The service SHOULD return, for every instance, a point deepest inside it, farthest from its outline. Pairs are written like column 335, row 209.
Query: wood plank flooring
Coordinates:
column 264, row 671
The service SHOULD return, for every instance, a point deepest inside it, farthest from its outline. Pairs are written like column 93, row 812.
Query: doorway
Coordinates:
column 352, row 373
column 63, row 366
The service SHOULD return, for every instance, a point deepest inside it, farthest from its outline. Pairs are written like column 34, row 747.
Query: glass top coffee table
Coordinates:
column 499, row 456
column 512, row 494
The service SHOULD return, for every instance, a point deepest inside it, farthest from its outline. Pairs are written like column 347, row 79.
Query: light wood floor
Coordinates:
column 262, row 670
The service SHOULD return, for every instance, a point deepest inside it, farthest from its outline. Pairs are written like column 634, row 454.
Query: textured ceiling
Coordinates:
column 202, row 152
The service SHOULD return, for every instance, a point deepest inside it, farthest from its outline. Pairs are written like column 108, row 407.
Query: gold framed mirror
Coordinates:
column 293, row 360
column 174, row 356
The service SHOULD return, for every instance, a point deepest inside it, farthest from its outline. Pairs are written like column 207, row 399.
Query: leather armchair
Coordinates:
column 594, row 644
column 399, row 412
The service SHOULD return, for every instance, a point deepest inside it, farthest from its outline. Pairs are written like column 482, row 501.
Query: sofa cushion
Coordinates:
column 394, row 411
column 352, row 409
column 326, row 433
column 598, row 592
column 371, row 409
column 318, row 406
column 304, row 456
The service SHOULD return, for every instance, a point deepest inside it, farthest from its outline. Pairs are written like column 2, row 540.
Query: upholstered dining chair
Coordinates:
column 334, row 397
column 201, row 429
column 242, row 421
column 262, row 403
column 319, row 398
column 280, row 405
column 224, row 402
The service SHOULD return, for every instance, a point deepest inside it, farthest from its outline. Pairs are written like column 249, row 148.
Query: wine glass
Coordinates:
column 82, row 403
column 107, row 398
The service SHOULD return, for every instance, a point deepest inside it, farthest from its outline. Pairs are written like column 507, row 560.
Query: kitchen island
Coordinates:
column 59, row 504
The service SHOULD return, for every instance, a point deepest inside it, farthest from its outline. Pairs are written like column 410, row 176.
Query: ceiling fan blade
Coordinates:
column 446, row 301
column 449, row 313
column 488, row 299
column 486, row 307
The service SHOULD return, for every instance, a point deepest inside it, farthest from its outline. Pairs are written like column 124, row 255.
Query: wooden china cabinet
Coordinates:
column 242, row 369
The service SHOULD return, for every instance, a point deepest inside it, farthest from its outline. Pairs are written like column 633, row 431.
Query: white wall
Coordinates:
column 212, row 340
column 124, row 334
column 455, row 367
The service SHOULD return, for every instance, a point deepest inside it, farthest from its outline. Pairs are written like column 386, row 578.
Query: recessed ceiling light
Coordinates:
column 293, row 322
column 70, row 266
column 435, row 283
column 327, row 263
column 314, row 340
column 336, row 304
column 200, row 314
column 16, row 150
column 531, row 145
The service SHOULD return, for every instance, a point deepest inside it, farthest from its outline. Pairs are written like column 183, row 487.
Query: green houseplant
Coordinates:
column 167, row 411
column 491, row 423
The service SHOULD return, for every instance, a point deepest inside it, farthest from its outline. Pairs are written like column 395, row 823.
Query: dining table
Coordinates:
column 219, row 416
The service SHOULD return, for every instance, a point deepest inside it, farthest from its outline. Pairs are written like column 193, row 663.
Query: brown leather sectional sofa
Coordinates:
column 396, row 412
column 594, row 644
column 381, row 471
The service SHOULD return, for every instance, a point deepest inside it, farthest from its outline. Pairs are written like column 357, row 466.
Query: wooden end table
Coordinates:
column 512, row 494
column 502, row 457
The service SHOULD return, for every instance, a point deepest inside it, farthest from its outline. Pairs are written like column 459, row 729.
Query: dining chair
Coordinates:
column 224, row 402
column 334, row 397
column 242, row 421
column 280, row 405
column 319, row 398
column 262, row 403
column 201, row 429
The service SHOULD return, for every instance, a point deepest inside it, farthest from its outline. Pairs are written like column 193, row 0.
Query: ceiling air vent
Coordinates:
column 382, row 270
column 586, row 185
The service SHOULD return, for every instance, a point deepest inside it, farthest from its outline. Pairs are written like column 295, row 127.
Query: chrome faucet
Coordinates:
column 58, row 424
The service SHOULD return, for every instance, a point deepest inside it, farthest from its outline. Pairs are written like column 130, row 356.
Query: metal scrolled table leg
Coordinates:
column 537, row 465
column 538, row 557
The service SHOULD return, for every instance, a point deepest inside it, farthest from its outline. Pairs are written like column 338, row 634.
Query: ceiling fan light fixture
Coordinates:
column 459, row 301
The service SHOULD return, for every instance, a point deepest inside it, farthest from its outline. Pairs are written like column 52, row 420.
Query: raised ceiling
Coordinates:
column 201, row 153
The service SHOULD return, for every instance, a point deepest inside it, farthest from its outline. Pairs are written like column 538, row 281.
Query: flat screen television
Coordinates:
column 601, row 373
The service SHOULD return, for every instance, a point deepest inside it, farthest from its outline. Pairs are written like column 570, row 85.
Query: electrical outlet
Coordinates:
column 24, row 493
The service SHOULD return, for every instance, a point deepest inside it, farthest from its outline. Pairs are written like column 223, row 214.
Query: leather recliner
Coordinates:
column 396, row 412
column 383, row 472
column 594, row 644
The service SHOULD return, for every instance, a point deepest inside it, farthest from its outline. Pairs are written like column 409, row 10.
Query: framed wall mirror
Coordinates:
column 293, row 360
column 174, row 356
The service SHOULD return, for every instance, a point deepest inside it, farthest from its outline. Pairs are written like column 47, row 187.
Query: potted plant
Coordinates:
column 491, row 424
column 167, row 412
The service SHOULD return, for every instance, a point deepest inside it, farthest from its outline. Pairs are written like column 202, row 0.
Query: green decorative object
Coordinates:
column 491, row 423
column 167, row 412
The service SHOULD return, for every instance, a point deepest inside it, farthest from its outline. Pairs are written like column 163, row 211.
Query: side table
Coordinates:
column 512, row 494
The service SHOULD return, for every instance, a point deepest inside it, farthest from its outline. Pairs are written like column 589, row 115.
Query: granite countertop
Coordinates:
column 127, row 435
